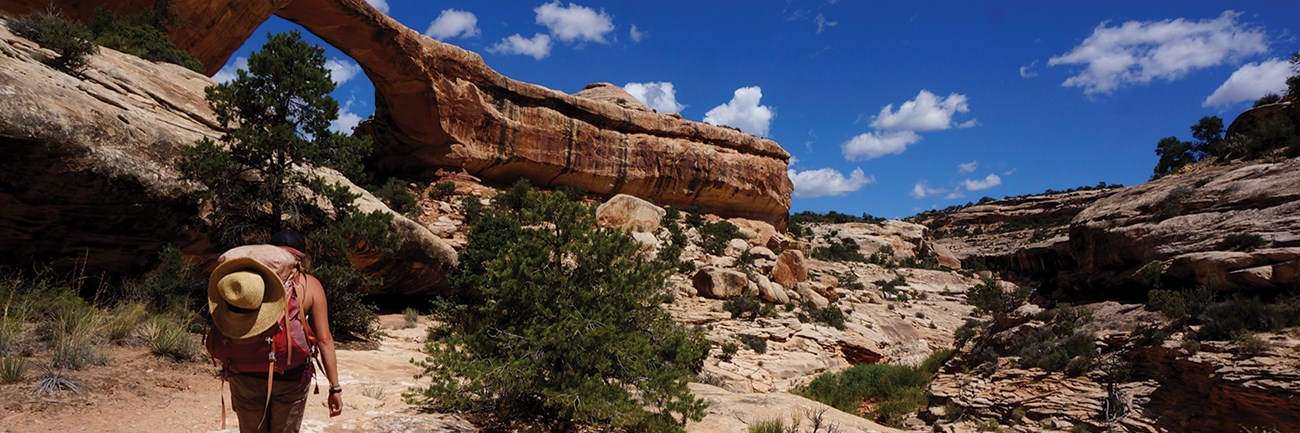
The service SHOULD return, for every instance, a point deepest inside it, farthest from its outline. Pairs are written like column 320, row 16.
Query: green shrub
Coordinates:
column 1060, row 346
column 12, row 369
column 1271, row 98
column 1250, row 344
column 561, row 321
column 831, row 315
column 71, row 40
column 394, row 194
column 1149, row 275
column 168, row 339
column 1168, row 302
column 74, row 339
column 741, row 307
column 1225, row 320
column 840, row 250
column 1241, row 242
column 897, row 390
column 754, row 342
column 715, row 236
column 694, row 216
column 123, row 321
column 729, row 350
column 988, row 298
column 143, row 35
column 174, row 286
column 442, row 190
column 410, row 317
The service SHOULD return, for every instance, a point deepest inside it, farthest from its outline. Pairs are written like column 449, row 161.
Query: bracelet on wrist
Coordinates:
column 336, row 389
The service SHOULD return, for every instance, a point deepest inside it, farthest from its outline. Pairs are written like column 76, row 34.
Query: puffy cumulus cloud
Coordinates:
column 743, row 112
column 453, row 23
column 574, row 23
column 825, row 182
column 1137, row 52
column 927, row 112
column 382, row 5
column 1251, row 82
column 922, row 190
column 968, row 167
column 347, row 120
column 871, row 145
column 539, row 46
column 636, row 34
column 342, row 71
column 659, row 96
column 227, row 73
column 987, row 182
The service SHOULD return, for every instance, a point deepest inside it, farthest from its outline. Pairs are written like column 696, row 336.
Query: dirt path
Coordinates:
column 138, row 392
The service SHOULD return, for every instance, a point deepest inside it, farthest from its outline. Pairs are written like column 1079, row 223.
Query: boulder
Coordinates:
column 737, row 246
column 790, row 269
column 771, row 292
column 629, row 213
column 648, row 241
column 763, row 253
column 808, row 293
column 758, row 232
column 718, row 283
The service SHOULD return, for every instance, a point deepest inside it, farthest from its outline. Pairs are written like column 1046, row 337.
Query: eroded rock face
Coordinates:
column 438, row 105
column 89, row 179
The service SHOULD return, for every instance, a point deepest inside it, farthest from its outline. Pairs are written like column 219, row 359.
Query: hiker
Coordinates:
column 270, row 318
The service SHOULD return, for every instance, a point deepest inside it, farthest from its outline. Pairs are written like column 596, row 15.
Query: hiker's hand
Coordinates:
column 336, row 404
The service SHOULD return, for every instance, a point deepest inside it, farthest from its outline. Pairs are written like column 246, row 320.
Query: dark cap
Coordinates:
column 289, row 238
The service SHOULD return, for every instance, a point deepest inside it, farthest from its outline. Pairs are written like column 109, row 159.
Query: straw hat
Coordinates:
column 245, row 297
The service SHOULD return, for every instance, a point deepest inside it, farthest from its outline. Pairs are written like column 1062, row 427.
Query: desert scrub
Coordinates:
column 74, row 339
column 840, row 250
column 12, row 369
column 168, row 339
column 753, row 342
column 557, row 310
column 767, row 426
column 410, row 317
column 898, row 390
column 989, row 298
column 71, row 40
column 442, row 190
column 123, row 320
column 716, row 235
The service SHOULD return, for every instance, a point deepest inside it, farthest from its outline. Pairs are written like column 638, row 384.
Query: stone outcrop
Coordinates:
column 790, row 269
column 1181, row 220
column 629, row 213
column 719, row 283
column 88, row 180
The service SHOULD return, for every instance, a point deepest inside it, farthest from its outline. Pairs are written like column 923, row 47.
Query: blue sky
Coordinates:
column 890, row 108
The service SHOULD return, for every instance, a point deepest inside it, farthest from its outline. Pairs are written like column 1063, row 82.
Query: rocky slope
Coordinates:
column 88, row 182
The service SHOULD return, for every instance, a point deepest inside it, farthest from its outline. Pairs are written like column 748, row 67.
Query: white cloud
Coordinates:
column 954, row 194
column 659, row 96
column 743, row 112
column 347, row 120
column 987, row 182
column 871, row 145
column 921, row 190
column 636, row 34
column 926, row 112
column 968, row 167
column 1137, row 52
column 1028, row 71
column 793, row 160
column 823, row 23
column 227, row 73
column 539, row 46
column 382, row 5
column 342, row 70
column 1251, row 82
column 574, row 23
column 453, row 23
column 825, row 182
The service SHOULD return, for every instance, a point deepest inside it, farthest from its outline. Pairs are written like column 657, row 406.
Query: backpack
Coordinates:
column 288, row 344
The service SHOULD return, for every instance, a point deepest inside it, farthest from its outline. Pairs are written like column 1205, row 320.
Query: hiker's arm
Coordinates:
column 320, row 323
